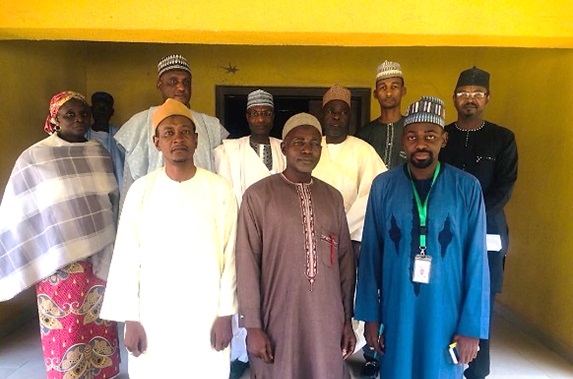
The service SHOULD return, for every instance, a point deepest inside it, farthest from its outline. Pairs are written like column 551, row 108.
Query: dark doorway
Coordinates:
column 231, row 103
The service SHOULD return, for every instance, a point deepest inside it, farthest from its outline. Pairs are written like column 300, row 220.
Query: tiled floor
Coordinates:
column 514, row 356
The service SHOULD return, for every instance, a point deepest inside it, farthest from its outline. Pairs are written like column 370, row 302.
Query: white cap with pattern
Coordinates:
column 389, row 70
column 260, row 98
column 172, row 62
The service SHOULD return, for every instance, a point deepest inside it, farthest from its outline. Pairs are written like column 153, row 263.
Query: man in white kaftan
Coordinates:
column 239, row 163
column 243, row 162
column 141, row 157
column 174, row 255
column 249, row 159
column 346, row 163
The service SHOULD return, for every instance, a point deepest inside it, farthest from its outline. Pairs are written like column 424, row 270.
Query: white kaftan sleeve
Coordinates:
column 228, row 233
column 222, row 164
column 121, row 299
column 371, row 167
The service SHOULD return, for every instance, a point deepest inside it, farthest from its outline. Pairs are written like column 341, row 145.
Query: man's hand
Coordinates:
column 259, row 344
column 348, row 340
column 221, row 333
column 135, row 338
column 467, row 348
column 373, row 338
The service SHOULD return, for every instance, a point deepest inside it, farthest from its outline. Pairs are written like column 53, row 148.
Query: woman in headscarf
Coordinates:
column 56, row 232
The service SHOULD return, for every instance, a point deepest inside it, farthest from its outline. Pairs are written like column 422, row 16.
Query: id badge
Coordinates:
column 422, row 267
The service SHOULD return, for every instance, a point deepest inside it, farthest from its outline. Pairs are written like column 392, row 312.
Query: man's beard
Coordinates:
column 422, row 164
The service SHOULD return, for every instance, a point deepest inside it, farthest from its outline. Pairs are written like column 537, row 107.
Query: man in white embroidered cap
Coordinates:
column 246, row 160
column 423, row 281
column 295, row 267
column 135, row 136
column 385, row 132
column 243, row 162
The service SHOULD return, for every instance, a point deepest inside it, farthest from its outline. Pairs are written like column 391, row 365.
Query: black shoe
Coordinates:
column 370, row 370
column 238, row 368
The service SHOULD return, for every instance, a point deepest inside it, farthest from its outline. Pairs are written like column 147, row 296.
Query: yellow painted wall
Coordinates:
column 531, row 94
column 538, row 102
column 31, row 74
column 535, row 23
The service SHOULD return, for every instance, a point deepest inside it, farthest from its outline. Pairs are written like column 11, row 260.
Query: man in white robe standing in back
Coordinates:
column 247, row 160
column 174, row 255
column 347, row 163
column 174, row 81
column 242, row 162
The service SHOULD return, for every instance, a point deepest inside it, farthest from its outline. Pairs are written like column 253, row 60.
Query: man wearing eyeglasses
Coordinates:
column 243, row 162
column 249, row 159
column 487, row 151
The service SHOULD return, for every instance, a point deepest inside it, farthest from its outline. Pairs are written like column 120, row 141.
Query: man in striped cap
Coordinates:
column 423, row 279
column 135, row 136
column 247, row 160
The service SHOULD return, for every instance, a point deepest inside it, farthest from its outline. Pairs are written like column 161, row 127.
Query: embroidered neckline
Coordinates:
column 298, row 184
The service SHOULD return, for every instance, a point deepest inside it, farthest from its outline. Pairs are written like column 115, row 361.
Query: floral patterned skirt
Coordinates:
column 77, row 344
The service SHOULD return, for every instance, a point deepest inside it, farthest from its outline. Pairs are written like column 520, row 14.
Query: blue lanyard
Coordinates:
column 423, row 207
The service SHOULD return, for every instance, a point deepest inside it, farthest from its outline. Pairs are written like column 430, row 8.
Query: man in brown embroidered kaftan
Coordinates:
column 295, row 267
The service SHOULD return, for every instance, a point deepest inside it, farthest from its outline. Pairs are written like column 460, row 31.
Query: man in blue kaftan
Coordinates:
column 423, row 314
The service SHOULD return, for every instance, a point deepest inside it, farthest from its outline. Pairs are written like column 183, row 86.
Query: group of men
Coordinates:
column 267, row 254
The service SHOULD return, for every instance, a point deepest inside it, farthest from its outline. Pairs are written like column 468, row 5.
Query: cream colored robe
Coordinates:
column 350, row 167
column 173, row 269
column 236, row 161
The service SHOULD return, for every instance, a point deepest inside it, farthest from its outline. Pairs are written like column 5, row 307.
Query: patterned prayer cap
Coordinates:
column 474, row 77
column 172, row 62
column 300, row 119
column 171, row 107
column 260, row 98
column 389, row 70
column 427, row 109
column 56, row 103
column 336, row 92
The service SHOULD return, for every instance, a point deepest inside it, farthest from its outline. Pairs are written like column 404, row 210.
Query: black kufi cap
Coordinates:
column 474, row 77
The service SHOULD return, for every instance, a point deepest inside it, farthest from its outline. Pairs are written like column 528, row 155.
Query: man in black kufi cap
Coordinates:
column 489, row 152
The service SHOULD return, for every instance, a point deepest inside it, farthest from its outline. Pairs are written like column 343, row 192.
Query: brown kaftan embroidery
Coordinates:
column 307, row 212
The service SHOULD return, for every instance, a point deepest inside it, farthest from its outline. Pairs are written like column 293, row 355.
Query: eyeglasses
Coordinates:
column 262, row 113
column 471, row 95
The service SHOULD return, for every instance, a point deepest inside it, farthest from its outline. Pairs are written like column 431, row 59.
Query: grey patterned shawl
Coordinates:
column 58, row 208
